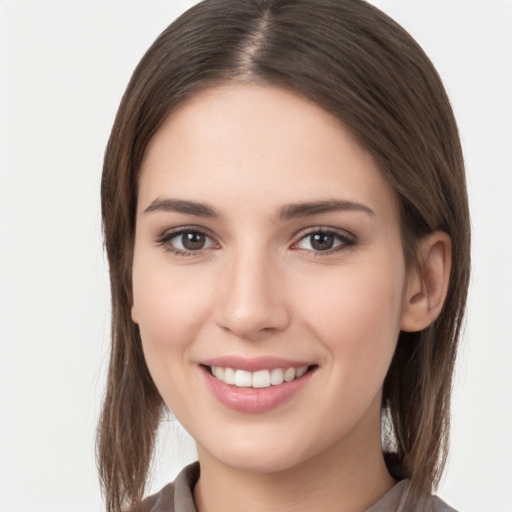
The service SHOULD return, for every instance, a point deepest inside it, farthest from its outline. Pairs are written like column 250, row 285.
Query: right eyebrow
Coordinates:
column 316, row 207
column 182, row 206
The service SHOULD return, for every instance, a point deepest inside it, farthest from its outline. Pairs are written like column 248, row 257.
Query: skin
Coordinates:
column 257, row 288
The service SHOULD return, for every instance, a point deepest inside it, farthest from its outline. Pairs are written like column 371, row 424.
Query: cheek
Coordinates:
column 357, row 318
column 170, row 309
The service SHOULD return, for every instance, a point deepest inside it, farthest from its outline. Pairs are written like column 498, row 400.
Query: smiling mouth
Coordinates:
column 258, row 379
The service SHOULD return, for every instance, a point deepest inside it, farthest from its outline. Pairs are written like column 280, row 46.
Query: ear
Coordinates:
column 133, row 312
column 428, row 282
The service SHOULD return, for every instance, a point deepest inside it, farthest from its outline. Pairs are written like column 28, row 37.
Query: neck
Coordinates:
column 349, row 477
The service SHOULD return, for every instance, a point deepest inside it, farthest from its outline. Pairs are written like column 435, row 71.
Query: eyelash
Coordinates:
column 346, row 241
column 165, row 239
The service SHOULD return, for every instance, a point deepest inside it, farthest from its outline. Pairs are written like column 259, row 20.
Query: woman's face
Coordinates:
column 268, row 252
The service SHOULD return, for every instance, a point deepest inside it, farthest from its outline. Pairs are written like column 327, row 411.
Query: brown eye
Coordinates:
column 186, row 241
column 193, row 241
column 324, row 241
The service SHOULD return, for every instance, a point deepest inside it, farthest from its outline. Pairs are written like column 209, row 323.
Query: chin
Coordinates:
column 268, row 452
column 262, row 462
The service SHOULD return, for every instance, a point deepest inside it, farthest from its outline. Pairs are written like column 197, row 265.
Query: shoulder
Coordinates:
column 176, row 496
column 438, row 505
column 162, row 501
column 401, row 499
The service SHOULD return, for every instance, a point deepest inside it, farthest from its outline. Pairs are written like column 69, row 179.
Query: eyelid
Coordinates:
column 348, row 239
column 164, row 239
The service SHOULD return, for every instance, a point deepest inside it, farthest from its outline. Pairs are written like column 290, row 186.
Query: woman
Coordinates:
column 287, row 228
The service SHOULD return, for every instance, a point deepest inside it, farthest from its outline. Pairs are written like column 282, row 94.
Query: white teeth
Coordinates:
column 218, row 371
column 289, row 374
column 258, row 379
column 299, row 372
column 243, row 378
column 276, row 377
column 261, row 379
column 229, row 376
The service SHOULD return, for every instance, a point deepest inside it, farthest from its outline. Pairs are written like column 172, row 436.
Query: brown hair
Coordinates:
column 358, row 64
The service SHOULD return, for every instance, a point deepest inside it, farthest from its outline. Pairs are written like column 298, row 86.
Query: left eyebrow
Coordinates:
column 313, row 208
column 182, row 206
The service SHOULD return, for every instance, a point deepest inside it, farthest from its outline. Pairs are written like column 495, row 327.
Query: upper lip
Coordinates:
column 254, row 364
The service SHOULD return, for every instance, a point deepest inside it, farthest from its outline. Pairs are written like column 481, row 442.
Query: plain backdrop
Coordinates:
column 63, row 68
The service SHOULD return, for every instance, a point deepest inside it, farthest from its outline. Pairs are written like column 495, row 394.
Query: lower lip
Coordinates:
column 254, row 400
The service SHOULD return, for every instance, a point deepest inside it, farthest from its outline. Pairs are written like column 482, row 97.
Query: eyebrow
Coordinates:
column 316, row 207
column 287, row 212
column 182, row 206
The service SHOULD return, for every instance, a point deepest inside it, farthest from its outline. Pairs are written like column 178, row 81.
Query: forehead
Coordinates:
column 258, row 145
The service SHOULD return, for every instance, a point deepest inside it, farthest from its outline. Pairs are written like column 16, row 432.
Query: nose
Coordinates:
column 252, row 298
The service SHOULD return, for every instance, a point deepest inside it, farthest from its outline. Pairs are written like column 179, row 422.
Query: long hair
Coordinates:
column 362, row 67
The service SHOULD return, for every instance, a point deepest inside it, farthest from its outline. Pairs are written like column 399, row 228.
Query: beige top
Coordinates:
column 178, row 497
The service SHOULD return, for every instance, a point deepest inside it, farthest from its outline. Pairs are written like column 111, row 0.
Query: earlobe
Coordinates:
column 428, row 282
column 134, row 314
